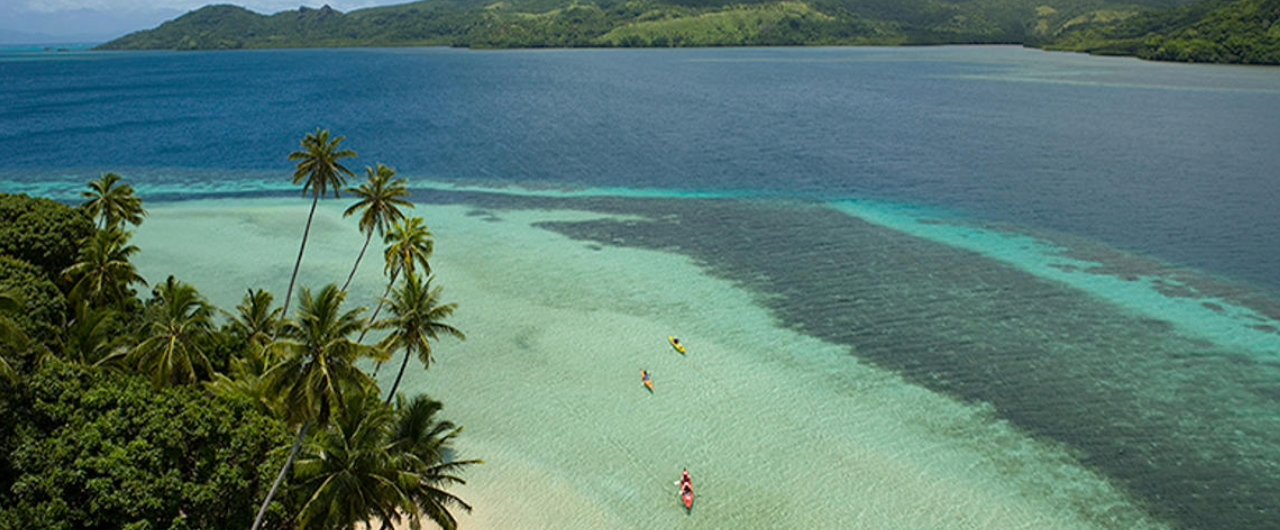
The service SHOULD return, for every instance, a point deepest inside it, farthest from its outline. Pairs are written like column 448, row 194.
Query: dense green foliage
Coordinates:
column 1242, row 32
column 564, row 23
column 378, row 461
column 43, row 306
column 41, row 232
column 1215, row 31
column 90, row 449
column 120, row 413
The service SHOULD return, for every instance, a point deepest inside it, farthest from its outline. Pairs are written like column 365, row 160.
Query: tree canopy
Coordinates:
column 42, row 232
column 92, row 449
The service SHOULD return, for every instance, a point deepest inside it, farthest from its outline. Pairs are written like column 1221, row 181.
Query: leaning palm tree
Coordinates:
column 417, row 319
column 380, row 199
column 103, row 274
column 112, row 204
column 319, row 169
column 319, row 364
column 376, row 462
column 409, row 246
column 423, row 444
column 348, row 474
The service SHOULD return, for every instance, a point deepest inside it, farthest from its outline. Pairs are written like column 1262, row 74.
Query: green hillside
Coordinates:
column 1211, row 30
column 1216, row 31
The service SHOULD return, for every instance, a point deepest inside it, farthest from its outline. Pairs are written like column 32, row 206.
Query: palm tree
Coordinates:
column 319, row 168
column 379, row 462
column 93, row 336
column 380, row 198
column 423, row 444
column 179, row 328
column 417, row 319
column 112, row 203
column 103, row 274
column 253, row 325
column 319, row 365
column 409, row 245
column 347, row 472
column 251, row 329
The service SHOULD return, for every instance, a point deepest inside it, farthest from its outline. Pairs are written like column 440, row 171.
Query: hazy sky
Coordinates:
column 106, row 19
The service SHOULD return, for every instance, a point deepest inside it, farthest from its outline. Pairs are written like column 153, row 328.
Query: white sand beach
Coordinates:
column 779, row 430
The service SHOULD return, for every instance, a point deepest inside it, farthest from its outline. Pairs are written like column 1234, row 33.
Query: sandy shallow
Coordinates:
column 779, row 430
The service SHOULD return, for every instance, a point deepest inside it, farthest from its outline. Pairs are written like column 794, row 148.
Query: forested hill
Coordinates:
column 1194, row 30
column 1215, row 31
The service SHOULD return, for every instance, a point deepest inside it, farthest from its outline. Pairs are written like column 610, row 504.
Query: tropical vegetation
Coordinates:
column 113, row 204
column 417, row 319
column 319, row 169
column 1186, row 30
column 381, row 199
column 156, row 410
column 1215, row 31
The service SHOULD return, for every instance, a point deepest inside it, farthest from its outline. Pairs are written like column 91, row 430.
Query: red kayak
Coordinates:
column 686, row 491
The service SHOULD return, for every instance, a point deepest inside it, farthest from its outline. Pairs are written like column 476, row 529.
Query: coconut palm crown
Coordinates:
column 112, row 203
column 380, row 201
column 319, row 357
column 417, row 318
column 178, row 334
column 103, row 275
column 409, row 246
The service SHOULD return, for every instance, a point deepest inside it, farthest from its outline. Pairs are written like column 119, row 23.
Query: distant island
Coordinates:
column 1212, row 31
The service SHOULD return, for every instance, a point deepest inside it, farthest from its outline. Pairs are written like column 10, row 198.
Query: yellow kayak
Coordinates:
column 675, row 343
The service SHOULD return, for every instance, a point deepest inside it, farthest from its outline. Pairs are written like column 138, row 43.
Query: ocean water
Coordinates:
column 958, row 287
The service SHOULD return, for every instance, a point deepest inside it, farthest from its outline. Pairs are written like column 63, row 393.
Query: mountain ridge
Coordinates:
column 1186, row 30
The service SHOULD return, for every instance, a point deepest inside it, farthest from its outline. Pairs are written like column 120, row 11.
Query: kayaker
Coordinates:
column 675, row 340
column 644, row 375
column 684, row 477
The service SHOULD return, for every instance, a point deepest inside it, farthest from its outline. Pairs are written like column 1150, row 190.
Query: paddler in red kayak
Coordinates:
column 686, row 490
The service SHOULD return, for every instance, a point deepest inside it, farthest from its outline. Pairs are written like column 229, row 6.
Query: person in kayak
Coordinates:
column 686, row 489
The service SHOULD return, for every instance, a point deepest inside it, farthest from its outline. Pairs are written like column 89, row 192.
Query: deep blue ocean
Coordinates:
column 1174, row 161
column 1153, row 169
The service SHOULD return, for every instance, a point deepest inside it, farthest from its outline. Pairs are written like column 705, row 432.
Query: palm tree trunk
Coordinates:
column 262, row 512
column 376, row 310
column 396, row 385
column 358, row 259
column 288, row 295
